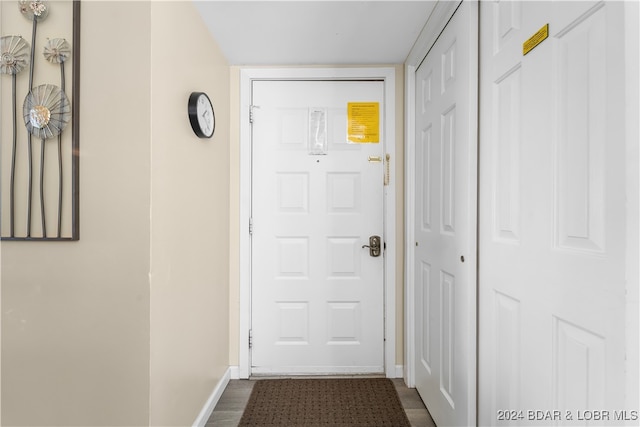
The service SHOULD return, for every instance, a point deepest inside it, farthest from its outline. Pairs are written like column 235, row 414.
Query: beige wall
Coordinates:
column 75, row 315
column 234, row 292
column 234, row 219
column 129, row 325
column 189, row 218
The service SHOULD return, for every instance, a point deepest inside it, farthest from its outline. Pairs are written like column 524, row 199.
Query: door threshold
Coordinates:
column 254, row 377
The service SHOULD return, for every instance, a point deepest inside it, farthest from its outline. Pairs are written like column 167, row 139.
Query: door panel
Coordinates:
column 317, row 294
column 552, row 211
column 445, row 225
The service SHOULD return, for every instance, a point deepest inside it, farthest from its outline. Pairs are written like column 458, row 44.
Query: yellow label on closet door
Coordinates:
column 363, row 122
column 535, row 39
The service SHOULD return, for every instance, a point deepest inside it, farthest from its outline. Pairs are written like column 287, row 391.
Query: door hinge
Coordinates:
column 251, row 116
column 250, row 226
column 250, row 338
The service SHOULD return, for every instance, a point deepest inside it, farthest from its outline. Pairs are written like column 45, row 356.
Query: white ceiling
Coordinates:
column 307, row 32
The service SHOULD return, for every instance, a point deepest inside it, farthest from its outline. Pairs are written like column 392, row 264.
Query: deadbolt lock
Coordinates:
column 374, row 246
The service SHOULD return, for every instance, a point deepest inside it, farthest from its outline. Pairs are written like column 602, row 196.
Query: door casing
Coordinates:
column 247, row 76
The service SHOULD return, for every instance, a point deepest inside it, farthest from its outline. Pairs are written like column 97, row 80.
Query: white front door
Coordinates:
column 445, row 224
column 317, row 294
column 553, row 223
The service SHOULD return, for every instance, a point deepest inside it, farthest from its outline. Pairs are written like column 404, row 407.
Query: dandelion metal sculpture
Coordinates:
column 46, row 113
column 46, row 99
column 57, row 51
column 13, row 59
column 34, row 11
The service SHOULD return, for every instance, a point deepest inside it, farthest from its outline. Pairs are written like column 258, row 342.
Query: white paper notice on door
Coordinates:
column 317, row 131
column 363, row 122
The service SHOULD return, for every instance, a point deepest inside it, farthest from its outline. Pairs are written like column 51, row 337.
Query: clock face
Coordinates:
column 205, row 115
column 201, row 115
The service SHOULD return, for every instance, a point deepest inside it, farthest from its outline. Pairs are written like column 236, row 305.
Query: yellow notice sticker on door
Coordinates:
column 535, row 39
column 363, row 122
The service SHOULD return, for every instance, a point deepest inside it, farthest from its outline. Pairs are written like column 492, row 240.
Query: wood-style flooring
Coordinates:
column 228, row 411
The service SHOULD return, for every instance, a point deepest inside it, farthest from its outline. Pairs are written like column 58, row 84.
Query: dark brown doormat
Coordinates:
column 367, row 402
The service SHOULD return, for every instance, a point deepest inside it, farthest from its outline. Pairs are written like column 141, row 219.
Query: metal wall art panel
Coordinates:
column 39, row 169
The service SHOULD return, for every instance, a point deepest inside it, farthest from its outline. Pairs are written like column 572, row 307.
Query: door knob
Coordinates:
column 374, row 246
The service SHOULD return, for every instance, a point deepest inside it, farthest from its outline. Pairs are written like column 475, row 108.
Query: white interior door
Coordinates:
column 553, row 223
column 317, row 295
column 445, row 224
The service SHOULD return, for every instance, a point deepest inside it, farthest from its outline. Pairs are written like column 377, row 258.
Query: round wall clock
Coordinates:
column 201, row 115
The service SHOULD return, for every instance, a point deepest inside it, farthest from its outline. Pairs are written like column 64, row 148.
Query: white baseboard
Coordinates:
column 235, row 372
column 399, row 371
column 211, row 403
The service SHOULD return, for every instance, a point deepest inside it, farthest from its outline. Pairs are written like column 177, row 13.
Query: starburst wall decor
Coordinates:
column 39, row 192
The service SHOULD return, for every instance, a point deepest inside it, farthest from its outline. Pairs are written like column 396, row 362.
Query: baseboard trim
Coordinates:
column 235, row 372
column 213, row 399
column 399, row 371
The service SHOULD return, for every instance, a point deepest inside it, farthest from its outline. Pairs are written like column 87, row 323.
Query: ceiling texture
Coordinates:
column 306, row 32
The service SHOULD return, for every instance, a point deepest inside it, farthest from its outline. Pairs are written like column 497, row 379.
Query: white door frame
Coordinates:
column 247, row 76
column 436, row 23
